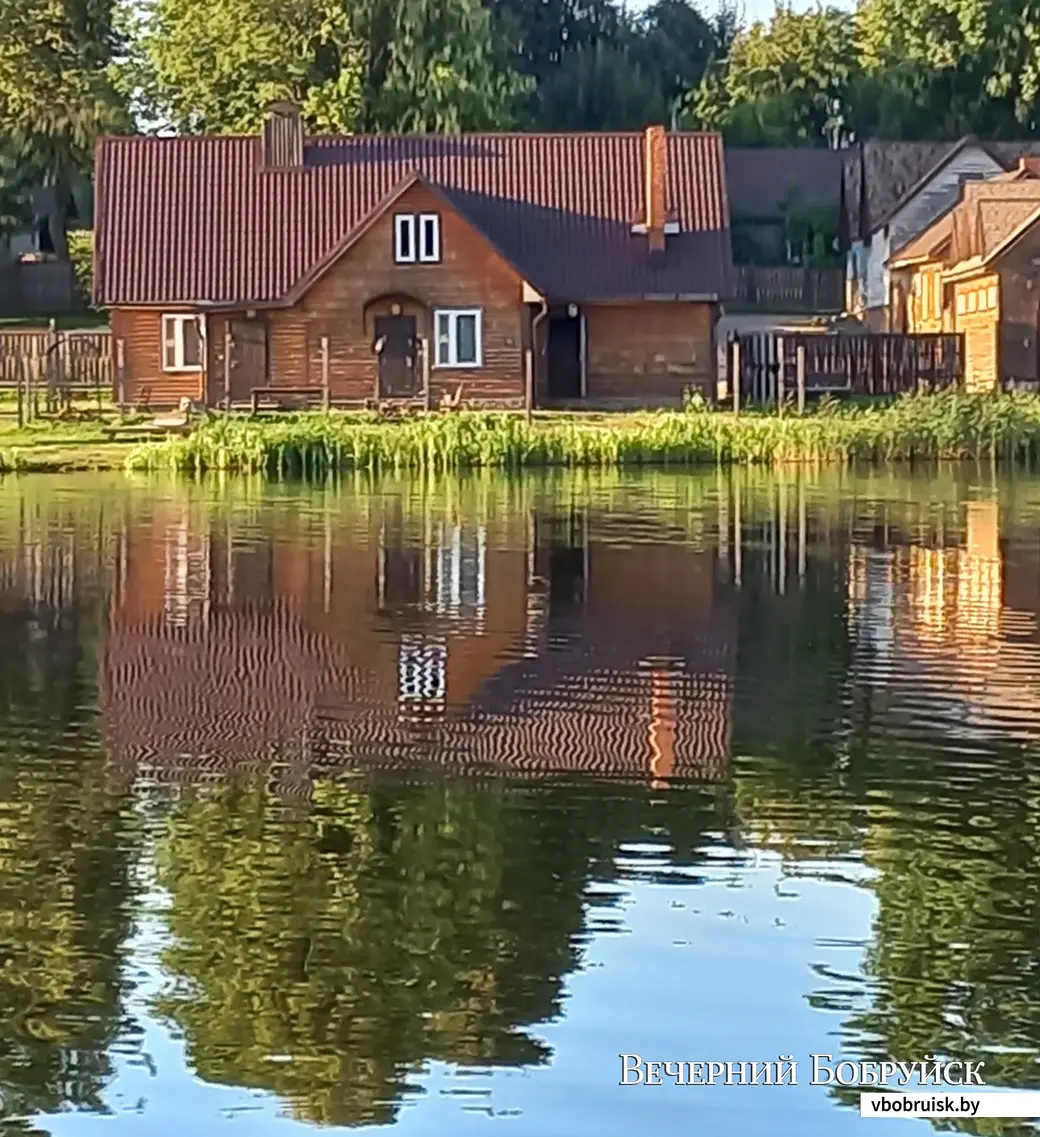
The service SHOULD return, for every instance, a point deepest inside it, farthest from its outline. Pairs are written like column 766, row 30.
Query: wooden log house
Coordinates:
column 504, row 269
column 976, row 271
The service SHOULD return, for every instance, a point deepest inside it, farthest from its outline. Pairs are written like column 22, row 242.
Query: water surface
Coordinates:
column 411, row 805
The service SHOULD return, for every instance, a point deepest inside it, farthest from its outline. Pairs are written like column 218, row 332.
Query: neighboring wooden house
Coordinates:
column 891, row 192
column 235, row 263
column 975, row 271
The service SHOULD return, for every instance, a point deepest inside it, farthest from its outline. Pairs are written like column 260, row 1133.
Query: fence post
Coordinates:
column 781, row 365
column 800, row 376
column 19, row 368
column 120, row 374
column 427, row 393
column 529, row 383
column 325, row 397
column 735, row 375
column 31, row 385
column 227, row 368
column 51, row 365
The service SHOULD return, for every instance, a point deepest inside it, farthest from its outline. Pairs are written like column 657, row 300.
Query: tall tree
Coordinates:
column 57, row 93
column 950, row 67
column 675, row 44
column 435, row 65
column 601, row 88
column 211, row 67
column 796, row 69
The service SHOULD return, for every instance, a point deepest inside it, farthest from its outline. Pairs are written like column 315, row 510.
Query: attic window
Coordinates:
column 417, row 237
column 404, row 238
column 429, row 237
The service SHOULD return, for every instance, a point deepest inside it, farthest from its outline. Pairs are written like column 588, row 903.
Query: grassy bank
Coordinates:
column 941, row 427
column 54, row 446
column 946, row 427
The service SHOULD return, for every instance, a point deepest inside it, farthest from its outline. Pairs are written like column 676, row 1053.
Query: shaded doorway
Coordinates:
column 248, row 358
column 565, row 356
column 396, row 346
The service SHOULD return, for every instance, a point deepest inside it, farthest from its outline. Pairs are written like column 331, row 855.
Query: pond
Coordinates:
column 412, row 805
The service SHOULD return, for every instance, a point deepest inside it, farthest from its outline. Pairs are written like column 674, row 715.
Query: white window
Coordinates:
column 417, row 238
column 404, row 238
column 458, row 337
column 182, row 343
column 429, row 237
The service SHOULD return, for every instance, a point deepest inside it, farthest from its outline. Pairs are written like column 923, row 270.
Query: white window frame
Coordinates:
column 434, row 222
column 178, row 321
column 453, row 315
column 405, row 223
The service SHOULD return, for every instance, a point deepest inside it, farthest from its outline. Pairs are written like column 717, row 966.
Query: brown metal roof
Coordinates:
column 200, row 219
column 760, row 180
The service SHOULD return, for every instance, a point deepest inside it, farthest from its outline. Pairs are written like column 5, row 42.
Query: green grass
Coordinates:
column 942, row 427
column 49, row 444
column 1003, row 428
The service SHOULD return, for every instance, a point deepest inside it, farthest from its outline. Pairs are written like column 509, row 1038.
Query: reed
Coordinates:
column 1003, row 428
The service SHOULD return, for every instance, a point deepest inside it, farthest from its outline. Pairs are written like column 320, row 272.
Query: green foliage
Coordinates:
column 216, row 67
column 932, row 69
column 435, row 67
column 57, row 92
column 810, row 231
column 782, row 82
column 81, row 253
column 13, row 209
column 923, row 428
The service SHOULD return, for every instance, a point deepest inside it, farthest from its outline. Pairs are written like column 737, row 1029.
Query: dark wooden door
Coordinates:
column 248, row 358
column 564, row 378
column 397, row 348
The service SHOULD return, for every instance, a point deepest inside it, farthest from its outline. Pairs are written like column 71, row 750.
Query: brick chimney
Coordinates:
column 655, row 171
column 1029, row 164
column 283, row 137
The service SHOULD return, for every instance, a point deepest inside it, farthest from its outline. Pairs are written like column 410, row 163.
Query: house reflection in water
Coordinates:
column 952, row 631
column 520, row 642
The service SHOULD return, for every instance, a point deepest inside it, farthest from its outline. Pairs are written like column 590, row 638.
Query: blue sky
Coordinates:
column 753, row 9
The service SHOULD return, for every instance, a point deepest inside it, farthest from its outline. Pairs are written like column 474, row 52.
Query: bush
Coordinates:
column 81, row 253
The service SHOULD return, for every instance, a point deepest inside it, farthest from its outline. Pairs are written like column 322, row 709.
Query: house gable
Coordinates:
column 940, row 191
column 469, row 266
column 412, row 200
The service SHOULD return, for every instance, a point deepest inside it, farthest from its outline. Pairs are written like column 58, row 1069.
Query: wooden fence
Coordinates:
column 57, row 366
column 773, row 368
column 790, row 289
